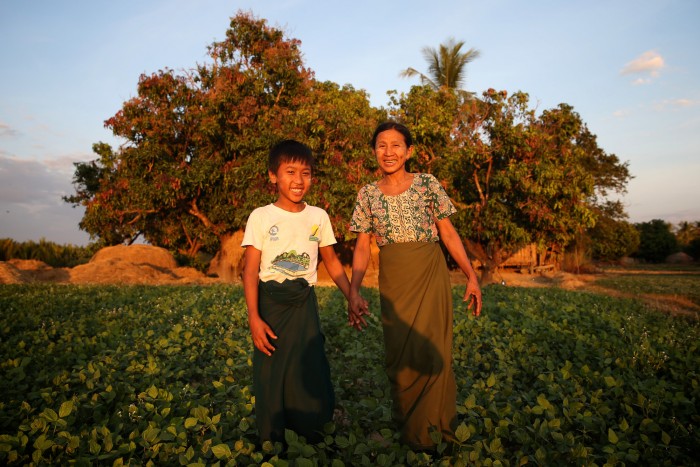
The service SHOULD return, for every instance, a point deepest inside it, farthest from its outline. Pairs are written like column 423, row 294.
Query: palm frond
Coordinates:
column 447, row 65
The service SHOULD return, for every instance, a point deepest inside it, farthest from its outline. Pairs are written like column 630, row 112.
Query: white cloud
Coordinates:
column 675, row 104
column 641, row 81
column 649, row 64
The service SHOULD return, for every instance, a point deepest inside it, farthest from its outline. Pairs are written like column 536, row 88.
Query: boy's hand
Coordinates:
column 357, row 307
column 261, row 334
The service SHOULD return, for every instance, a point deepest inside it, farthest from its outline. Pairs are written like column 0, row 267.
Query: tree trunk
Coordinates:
column 488, row 272
column 228, row 262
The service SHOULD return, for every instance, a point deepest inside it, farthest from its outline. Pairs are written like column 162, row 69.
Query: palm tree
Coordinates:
column 687, row 231
column 447, row 65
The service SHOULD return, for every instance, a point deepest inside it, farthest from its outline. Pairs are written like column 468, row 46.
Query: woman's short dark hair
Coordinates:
column 392, row 125
column 289, row 150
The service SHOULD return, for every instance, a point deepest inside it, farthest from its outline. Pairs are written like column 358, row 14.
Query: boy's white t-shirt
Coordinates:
column 289, row 241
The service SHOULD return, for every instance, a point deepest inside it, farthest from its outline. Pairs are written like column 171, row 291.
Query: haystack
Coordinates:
column 137, row 254
column 9, row 274
column 134, row 264
column 679, row 258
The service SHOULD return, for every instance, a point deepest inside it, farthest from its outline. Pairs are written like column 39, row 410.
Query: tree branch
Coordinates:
column 194, row 210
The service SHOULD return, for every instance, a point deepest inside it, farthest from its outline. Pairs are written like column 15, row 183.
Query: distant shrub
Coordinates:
column 53, row 254
column 656, row 241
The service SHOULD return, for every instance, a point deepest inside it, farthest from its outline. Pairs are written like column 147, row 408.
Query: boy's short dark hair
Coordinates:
column 289, row 150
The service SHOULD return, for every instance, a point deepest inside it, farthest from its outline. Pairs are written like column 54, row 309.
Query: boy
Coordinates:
column 291, row 376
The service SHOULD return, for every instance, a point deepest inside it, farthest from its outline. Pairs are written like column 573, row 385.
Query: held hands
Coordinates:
column 473, row 296
column 357, row 308
column 261, row 333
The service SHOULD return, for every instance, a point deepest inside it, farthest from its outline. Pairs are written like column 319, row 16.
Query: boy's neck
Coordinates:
column 291, row 207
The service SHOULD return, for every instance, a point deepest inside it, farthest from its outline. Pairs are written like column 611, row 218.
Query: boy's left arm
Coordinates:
column 337, row 273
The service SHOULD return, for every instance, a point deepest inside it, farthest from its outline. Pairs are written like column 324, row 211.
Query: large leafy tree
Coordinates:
column 656, row 240
column 193, row 164
column 518, row 178
column 447, row 65
column 613, row 236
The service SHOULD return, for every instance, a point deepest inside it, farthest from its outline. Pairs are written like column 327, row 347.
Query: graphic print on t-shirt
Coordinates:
column 291, row 264
column 314, row 231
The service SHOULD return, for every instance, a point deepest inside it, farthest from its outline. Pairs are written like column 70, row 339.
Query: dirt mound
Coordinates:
column 137, row 254
column 9, row 274
column 29, row 264
column 119, row 271
column 135, row 264
column 32, row 270
column 679, row 258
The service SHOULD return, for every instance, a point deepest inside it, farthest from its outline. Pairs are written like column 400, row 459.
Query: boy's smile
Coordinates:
column 293, row 180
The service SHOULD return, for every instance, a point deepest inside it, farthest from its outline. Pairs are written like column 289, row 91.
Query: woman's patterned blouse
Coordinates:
column 406, row 217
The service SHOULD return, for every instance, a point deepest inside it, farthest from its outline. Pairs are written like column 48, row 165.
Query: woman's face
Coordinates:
column 391, row 151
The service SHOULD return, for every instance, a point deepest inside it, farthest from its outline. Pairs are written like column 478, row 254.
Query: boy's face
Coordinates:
column 293, row 180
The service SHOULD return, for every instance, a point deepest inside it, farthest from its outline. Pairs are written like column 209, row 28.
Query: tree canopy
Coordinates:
column 194, row 161
column 656, row 240
column 518, row 177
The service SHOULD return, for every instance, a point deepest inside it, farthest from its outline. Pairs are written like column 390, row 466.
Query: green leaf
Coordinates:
column 66, row 409
column 49, row 415
column 462, row 433
column 612, row 436
column 201, row 413
column 491, row 381
column 342, row 442
column 150, row 435
column 42, row 443
column 290, row 436
column 191, row 422
column 665, row 438
column 221, row 451
column 152, row 392
column 470, row 401
column 624, row 426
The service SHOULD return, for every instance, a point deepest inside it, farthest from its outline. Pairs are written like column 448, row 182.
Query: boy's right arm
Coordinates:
column 360, row 261
column 260, row 331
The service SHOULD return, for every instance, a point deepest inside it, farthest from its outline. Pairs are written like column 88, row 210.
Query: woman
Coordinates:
column 408, row 213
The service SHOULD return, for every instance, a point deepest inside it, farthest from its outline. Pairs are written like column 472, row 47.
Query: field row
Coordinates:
column 162, row 375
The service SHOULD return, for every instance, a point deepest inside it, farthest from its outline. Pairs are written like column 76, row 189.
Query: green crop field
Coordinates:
column 160, row 375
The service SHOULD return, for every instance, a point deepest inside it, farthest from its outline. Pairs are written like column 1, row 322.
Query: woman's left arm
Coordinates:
column 455, row 247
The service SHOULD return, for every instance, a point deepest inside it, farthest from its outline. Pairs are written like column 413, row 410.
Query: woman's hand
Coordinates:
column 473, row 296
column 357, row 308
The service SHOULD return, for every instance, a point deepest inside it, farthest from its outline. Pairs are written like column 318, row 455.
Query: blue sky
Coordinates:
column 630, row 68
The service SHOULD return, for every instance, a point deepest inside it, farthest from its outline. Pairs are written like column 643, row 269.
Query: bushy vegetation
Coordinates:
column 656, row 240
column 611, row 239
column 51, row 253
column 162, row 375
